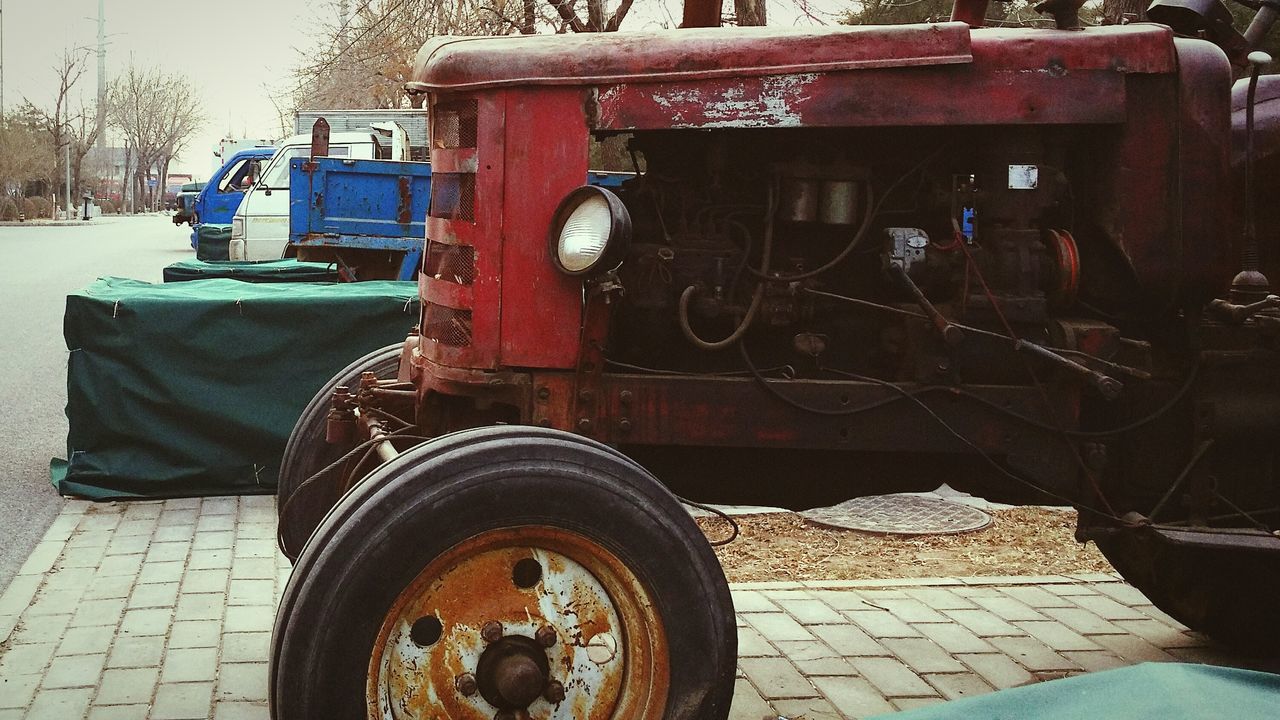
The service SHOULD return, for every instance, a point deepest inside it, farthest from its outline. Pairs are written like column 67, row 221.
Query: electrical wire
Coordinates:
column 1147, row 419
column 971, row 445
column 873, row 211
column 1044, row 394
column 735, row 531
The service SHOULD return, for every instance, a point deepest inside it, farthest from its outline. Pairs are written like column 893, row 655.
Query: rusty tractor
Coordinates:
column 1031, row 249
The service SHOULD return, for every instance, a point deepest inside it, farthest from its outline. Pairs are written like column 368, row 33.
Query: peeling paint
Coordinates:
column 775, row 105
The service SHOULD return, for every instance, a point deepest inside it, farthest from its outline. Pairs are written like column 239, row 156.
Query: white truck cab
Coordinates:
column 260, row 227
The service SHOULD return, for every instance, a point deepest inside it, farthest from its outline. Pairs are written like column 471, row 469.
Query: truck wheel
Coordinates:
column 1228, row 595
column 306, row 453
column 504, row 569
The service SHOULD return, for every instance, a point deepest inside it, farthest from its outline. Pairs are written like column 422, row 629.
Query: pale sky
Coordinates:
column 230, row 49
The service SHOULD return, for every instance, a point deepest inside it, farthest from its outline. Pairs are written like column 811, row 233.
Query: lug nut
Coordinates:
column 546, row 636
column 466, row 684
column 491, row 632
column 554, row 693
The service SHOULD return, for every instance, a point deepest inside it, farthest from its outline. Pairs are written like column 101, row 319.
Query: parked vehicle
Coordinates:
column 185, row 201
column 260, row 227
column 368, row 216
column 218, row 201
column 412, row 121
column 790, row 271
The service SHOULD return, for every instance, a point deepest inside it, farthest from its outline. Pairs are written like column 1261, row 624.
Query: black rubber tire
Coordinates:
column 1228, row 595
column 306, row 453
column 409, row 511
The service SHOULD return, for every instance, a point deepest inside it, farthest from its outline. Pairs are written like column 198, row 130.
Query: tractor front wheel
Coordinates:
column 506, row 572
column 301, row 505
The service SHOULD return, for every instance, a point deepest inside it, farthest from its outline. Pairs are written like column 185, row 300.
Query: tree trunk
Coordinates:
column 1115, row 12
column 126, row 200
column 749, row 12
column 528, row 20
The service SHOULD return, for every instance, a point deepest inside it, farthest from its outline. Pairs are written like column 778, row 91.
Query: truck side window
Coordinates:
column 232, row 181
column 277, row 176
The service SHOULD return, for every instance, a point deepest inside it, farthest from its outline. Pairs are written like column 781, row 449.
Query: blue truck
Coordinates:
column 217, row 202
column 367, row 216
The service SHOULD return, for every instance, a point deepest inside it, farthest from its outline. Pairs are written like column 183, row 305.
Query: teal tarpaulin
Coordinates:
column 213, row 241
column 191, row 388
column 289, row 270
column 1151, row 691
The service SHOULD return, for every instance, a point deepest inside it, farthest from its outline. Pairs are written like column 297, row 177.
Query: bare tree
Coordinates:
column 157, row 113
column 71, row 125
column 749, row 12
column 26, row 153
column 364, row 59
column 1118, row 12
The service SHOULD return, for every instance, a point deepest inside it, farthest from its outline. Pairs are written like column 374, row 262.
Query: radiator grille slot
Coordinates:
column 451, row 263
column 446, row 325
column 455, row 125
column 453, row 196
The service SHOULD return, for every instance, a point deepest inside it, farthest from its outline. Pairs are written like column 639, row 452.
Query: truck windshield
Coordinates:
column 277, row 176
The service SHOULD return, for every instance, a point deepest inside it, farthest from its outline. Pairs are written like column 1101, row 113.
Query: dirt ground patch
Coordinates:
column 784, row 546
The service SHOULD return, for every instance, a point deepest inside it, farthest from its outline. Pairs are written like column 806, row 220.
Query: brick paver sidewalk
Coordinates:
column 164, row 609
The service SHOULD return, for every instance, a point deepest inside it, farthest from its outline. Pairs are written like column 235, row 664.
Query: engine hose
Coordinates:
column 734, row 337
column 756, row 297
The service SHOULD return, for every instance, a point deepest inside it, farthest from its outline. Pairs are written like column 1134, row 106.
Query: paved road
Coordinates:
column 40, row 265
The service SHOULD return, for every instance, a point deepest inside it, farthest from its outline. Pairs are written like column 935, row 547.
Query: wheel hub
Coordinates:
column 512, row 673
column 521, row 622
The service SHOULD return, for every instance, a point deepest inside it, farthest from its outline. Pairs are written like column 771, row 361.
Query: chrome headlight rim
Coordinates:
column 619, row 235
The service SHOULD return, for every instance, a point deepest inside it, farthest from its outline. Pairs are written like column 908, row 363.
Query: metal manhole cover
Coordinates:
column 901, row 515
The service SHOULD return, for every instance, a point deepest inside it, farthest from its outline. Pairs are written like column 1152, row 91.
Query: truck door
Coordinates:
column 221, row 202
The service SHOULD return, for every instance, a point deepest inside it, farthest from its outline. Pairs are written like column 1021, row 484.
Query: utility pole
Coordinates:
column 102, row 77
column 68, row 160
column 1, row 61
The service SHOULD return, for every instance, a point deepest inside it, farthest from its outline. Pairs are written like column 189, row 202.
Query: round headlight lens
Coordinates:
column 585, row 234
column 590, row 231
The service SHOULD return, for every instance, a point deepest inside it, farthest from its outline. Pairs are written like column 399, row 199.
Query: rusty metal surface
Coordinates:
column 541, row 310
column 479, row 301
column 453, row 63
column 603, row 648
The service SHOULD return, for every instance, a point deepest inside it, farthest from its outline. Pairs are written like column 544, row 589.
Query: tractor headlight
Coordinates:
column 590, row 231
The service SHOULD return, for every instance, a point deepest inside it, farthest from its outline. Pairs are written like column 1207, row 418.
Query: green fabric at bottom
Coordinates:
column 192, row 388
column 1155, row 691
column 289, row 270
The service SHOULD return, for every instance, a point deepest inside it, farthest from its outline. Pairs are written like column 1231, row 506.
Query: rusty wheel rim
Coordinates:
column 521, row 623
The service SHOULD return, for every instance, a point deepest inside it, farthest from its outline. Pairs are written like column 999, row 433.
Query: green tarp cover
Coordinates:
column 1151, row 691
column 192, row 388
column 213, row 241
column 268, row 271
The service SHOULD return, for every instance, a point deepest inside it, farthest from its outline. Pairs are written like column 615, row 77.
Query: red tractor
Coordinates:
column 1014, row 247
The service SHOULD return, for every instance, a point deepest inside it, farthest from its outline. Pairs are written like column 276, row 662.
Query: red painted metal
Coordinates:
column 453, row 64
column 482, row 298
column 541, row 307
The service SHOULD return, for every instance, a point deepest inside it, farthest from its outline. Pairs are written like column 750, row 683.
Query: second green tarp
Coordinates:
column 268, row 271
column 192, row 388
